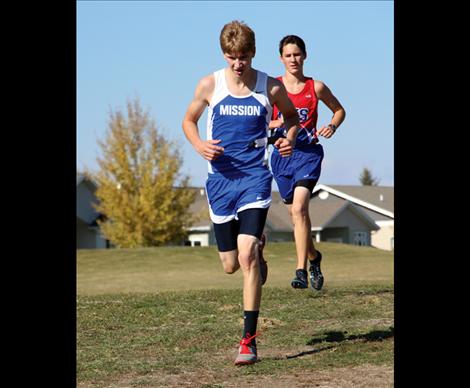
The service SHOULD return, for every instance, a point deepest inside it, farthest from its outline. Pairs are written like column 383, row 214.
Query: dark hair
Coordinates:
column 292, row 39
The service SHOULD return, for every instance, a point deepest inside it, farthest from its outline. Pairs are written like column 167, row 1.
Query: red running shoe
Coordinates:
column 247, row 352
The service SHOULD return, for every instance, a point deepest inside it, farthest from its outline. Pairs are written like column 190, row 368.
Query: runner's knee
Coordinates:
column 299, row 210
column 229, row 261
column 230, row 268
column 247, row 256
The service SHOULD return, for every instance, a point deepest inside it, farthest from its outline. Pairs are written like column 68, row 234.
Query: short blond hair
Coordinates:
column 236, row 37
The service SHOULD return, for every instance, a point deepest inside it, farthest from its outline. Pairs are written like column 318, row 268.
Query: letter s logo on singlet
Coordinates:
column 303, row 114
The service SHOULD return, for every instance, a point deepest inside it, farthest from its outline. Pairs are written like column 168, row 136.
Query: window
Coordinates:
column 360, row 238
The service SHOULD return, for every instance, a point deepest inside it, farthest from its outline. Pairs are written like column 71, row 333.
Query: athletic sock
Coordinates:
column 250, row 321
column 316, row 259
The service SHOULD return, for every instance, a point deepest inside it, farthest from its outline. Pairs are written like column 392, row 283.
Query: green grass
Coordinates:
column 186, row 268
column 171, row 317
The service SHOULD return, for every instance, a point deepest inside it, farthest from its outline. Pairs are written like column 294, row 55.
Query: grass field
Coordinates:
column 186, row 268
column 162, row 317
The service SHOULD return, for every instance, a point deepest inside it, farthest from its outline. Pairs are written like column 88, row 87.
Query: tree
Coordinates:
column 366, row 178
column 141, row 194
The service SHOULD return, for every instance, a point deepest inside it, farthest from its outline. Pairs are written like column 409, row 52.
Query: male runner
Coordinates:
column 297, row 176
column 239, row 100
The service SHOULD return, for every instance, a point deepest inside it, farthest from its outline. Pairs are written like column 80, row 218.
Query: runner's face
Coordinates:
column 239, row 63
column 292, row 58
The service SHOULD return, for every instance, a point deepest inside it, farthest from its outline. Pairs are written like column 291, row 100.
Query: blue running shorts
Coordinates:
column 229, row 194
column 304, row 164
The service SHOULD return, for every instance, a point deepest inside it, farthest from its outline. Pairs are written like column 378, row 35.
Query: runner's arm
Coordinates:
column 324, row 94
column 278, row 95
column 208, row 149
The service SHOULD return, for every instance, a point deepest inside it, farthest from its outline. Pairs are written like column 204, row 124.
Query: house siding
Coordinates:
column 201, row 238
column 86, row 238
column 85, row 199
column 206, row 238
column 335, row 234
column 347, row 219
column 383, row 237
column 279, row 236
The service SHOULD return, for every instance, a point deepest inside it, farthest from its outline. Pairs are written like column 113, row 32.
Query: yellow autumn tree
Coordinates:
column 142, row 196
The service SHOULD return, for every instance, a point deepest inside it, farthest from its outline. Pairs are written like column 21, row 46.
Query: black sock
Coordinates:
column 317, row 259
column 250, row 320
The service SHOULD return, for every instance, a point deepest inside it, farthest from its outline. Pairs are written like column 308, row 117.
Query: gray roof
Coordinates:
column 200, row 208
column 321, row 211
column 376, row 198
column 371, row 194
column 278, row 215
column 83, row 178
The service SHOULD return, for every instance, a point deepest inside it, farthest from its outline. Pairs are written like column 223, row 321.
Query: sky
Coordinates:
column 159, row 50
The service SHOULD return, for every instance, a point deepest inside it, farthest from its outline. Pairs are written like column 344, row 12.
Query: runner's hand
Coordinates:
column 325, row 132
column 209, row 150
column 284, row 146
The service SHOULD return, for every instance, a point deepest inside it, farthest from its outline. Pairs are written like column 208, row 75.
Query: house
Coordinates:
column 88, row 232
column 201, row 233
column 360, row 215
column 334, row 220
column 377, row 202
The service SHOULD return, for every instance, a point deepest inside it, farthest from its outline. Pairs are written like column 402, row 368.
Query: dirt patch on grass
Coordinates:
column 363, row 376
column 359, row 376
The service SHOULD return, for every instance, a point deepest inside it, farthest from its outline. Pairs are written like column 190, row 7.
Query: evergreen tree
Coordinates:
column 366, row 178
column 143, row 198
